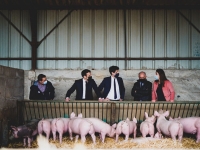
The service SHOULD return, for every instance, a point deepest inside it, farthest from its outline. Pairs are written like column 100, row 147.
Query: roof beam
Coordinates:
column 34, row 42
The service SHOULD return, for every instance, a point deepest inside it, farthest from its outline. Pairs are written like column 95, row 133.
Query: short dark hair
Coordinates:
column 84, row 72
column 113, row 69
column 40, row 76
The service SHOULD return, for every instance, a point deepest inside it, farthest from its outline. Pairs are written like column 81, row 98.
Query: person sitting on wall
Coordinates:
column 142, row 89
column 162, row 88
column 84, row 87
column 113, row 86
column 42, row 89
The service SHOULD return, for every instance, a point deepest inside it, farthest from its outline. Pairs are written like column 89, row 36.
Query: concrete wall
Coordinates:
column 186, row 82
column 11, row 89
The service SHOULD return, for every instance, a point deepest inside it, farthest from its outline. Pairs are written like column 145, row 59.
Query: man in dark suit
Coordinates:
column 84, row 87
column 141, row 90
column 42, row 89
column 113, row 86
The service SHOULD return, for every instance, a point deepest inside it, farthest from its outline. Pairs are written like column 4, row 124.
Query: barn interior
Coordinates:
column 60, row 38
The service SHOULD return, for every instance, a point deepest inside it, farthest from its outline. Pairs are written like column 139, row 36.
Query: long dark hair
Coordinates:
column 163, row 78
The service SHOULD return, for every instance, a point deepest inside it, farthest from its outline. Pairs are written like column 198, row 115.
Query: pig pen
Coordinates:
column 110, row 112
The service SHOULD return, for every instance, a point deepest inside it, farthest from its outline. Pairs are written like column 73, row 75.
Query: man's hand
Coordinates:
column 107, row 99
column 153, row 100
column 67, row 99
column 121, row 99
column 101, row 99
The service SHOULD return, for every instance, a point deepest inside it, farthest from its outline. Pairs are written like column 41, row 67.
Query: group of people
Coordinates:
column 112, row 87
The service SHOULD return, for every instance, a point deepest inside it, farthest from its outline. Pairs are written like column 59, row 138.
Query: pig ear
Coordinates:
column 146, row 115
column 179, row 117
column 134, row 120
column 127, row 119
column 166, row 113
column 170, row 119
column 114, row 125
column 14, row 128
column 80, row 115
column 72, row 115
column 156, row 114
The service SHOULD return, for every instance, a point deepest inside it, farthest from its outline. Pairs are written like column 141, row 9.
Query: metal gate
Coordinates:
column 110, row 112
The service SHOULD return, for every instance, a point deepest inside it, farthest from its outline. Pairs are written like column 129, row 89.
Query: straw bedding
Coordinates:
column 165, row 143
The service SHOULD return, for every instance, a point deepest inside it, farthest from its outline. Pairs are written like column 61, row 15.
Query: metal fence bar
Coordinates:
column 197, row 110
column 110, row 112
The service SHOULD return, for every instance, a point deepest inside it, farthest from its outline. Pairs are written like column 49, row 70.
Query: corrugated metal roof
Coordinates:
column 97, row 4
column 100, row 34
column 12, row 43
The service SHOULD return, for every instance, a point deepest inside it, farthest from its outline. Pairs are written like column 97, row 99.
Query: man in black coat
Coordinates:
column 141, row 90
column 113, row 86
column 84, row 87
column 42, row 89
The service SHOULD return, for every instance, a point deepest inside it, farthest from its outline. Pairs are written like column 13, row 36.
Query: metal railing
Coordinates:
column 109, row 112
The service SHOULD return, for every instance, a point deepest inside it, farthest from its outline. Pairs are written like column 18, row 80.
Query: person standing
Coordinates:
column 84, row 87
column 113, row 86
column 42, row 89
column 163, row 89
column 142, row 89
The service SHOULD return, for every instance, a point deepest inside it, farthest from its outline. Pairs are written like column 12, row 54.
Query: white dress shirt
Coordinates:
column 111, row 93
column 84, row 89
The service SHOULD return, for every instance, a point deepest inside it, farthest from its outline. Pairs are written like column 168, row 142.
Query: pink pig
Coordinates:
column 147, row 126
column 102, row 128
column 59, row 125
column 190, row 125
column 82, row 127
column 126, row 127
column 169, row 128
column 158, row 135
column 44, row 125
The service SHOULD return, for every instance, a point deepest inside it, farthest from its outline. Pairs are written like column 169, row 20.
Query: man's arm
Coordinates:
column 71, row 90
column 33, row 93
column 147, row 90
column 101, row 86
column 94, row 86
column 122, row 90
column 136, row 93
column 52, row 91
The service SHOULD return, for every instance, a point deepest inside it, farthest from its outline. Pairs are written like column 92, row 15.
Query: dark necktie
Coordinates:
column 115, row 92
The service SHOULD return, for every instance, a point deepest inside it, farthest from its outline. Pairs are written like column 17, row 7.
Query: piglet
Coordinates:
column 126, row 127
column 26, row 131
column 102, row 128
column 82, row 127
column 191, row 125
column 59, row 125
column 147, row 126
column 158, row 136
column 169, row 128
column 44, row 125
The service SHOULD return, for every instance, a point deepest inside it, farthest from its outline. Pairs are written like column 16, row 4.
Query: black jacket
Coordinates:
column 36, row 94
column 142, row 93
column 106, row 85
column 78, row 86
